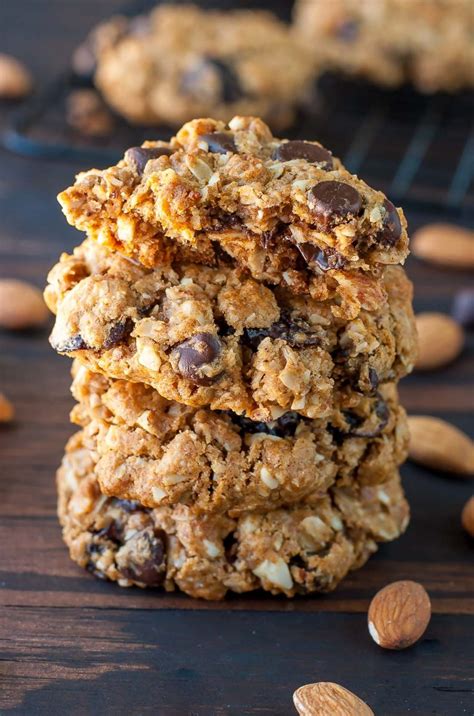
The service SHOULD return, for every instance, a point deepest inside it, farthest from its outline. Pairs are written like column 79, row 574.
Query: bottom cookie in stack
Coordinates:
column 209, row 502
column 293, row 550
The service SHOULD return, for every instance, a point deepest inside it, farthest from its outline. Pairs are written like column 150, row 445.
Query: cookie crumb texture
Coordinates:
column 286, row 211
column 183, row 62
column 295, row 550
column 162, row 453
column 211, row 337
column 377, row 40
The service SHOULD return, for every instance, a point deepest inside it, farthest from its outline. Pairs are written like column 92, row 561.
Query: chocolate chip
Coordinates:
column 128, row 505
column 220, row 142
column 112, row 532
column 138, row 157
column 118, row 332
column 298, row 149
column 392, row 227
column 323, row 259
column 195, row 80
column 231, row 89
column 224, row 328
column 74, row 343
column 294, row 330
column 463, row 308
column 199, row 350
column 95, row 547
column 146, row 554
column 347, row 31
column 383, row 414
column 230, row 547
column 284, row 427
column 373, row 378
column 334, row 201
column 352, row 419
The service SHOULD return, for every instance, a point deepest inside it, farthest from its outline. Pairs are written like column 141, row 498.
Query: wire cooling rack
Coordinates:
column 418, row 149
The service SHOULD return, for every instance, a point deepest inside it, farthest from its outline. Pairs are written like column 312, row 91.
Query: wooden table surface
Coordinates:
column 72, row 645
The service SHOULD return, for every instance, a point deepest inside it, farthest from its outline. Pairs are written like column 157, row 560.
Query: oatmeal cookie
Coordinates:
column 163, row 453
column 182, row 62
column 213, row 337
column 427, row 43
column 287, row 211
column 296, row 550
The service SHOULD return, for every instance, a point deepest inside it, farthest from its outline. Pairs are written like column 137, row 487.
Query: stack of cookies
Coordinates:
column 238, row 324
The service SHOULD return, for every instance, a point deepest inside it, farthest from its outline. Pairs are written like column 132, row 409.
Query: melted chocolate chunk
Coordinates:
column 220, row 142
column 392, row 227
column 74, row 343
column 138, row 157
column 150, row 544
column 118, row 332
column 322, row 259
column 298, row 149
column 199, row 350
column 284, row 427
column 295, row 331
column 333, row 201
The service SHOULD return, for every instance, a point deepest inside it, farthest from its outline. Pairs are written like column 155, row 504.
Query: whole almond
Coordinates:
column 445, row 245
column 21, row 305
column 399, row 614
column 328, row 699
column 467, row 516
column 439, row 445
column 440, row 340
column 6, row 409
column 15, row 80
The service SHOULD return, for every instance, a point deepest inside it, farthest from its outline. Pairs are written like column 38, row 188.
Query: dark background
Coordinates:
column 72, row 645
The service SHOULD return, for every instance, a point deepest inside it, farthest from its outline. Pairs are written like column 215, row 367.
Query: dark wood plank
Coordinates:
column 71, row 644
column 98, row 661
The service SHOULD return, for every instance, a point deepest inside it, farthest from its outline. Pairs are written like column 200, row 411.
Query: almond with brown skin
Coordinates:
column 399, row 614
column 15, row 79
column 439, row 445
column 6, row 409
column 21, row 305
column 467, row 516
column 328, row 699
column 445, row 245
column 440, row 340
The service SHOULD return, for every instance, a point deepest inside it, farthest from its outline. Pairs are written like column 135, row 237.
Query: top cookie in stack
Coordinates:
column 287, row 211
column 234, row 270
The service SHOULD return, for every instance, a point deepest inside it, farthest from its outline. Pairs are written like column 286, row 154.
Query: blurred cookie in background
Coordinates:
column 426, row 43
column 180, row 62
